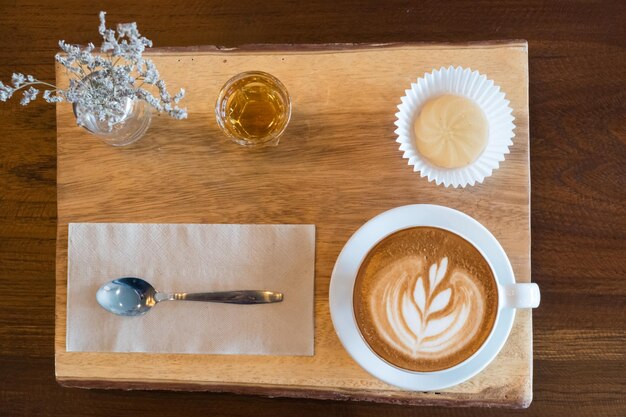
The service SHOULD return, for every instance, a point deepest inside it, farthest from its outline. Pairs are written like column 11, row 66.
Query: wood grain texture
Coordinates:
column 578, row 145
column 337, row 166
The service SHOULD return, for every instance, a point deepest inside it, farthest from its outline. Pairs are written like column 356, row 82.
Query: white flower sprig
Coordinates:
column 101, row 84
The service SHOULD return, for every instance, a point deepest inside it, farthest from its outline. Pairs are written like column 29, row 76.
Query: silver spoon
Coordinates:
column 134, row 296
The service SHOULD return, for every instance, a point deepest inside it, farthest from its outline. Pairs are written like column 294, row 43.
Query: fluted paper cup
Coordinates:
column 470, row 84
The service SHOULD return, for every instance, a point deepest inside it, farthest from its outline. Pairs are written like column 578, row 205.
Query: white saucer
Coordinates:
column 346, row 269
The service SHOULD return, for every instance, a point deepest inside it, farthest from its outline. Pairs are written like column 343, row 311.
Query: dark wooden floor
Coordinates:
column 578, row 159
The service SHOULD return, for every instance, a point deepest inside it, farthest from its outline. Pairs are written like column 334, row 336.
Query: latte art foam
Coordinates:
column 425, row 317
column 422, row 310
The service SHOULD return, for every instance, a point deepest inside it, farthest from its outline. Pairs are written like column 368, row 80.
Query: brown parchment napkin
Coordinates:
column 193, row 258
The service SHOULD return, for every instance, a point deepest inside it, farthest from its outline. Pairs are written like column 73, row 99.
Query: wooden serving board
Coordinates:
column 337, row 166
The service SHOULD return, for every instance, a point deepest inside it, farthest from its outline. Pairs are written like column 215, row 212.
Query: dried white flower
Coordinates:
column 5, row 92
column 102, row 85
column 18, row 80
column 29, row 95
column 50, row 98
column 179, row 96
column 178, row 114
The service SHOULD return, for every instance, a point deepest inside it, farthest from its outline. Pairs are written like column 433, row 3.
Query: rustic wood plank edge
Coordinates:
column 270, row 391
column 335, row 47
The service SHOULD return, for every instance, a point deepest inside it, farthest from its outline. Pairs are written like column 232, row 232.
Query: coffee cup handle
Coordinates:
column 522, row 295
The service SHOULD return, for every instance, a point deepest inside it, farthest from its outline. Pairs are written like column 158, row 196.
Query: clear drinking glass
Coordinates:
column 136, row 120
column 253, row 109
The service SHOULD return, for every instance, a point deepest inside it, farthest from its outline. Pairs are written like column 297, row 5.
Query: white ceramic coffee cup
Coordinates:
column 511, row 295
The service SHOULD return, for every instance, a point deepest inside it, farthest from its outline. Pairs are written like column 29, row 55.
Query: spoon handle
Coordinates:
column 232, row 297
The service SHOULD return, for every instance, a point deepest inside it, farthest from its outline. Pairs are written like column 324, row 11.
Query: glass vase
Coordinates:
column 134, row 124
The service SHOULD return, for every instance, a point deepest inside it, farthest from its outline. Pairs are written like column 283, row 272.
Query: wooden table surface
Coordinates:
column 577, row 53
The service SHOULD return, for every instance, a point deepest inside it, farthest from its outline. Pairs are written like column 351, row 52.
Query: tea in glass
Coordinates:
column 253, row 108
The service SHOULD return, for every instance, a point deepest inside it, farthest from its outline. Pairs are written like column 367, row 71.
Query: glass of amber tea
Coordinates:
column 253, row 109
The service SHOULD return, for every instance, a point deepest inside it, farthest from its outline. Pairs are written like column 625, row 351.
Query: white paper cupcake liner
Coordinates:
column 467, row 83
